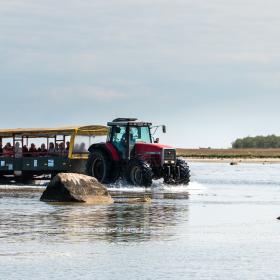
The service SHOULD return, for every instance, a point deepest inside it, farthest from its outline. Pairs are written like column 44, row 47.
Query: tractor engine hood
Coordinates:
column 158, row 154
column 142, row 148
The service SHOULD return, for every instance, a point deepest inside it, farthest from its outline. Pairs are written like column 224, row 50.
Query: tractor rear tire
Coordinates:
column 184, row 177
column 101, row 167
column 139, row 173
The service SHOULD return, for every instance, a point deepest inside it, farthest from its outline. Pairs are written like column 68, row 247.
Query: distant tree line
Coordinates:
column 265, row 142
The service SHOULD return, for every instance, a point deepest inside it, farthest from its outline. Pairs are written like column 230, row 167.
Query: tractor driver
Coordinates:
column 120, row 139
column 123, row 142
column 131, row 140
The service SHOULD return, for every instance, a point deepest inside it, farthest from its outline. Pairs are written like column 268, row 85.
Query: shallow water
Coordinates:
column 222, row 226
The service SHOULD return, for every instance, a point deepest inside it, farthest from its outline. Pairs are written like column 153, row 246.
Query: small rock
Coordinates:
column 234, row 163
column 144, row 199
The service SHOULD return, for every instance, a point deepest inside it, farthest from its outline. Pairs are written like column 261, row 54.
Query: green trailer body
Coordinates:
column 38, row 165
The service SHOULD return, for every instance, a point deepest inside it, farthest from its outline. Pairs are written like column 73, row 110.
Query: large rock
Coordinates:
column 73, row 187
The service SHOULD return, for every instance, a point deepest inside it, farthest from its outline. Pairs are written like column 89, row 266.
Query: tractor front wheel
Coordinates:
column 139, row 173
column 181, row 174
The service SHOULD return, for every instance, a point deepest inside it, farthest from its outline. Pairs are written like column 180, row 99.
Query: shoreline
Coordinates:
column 234, row 160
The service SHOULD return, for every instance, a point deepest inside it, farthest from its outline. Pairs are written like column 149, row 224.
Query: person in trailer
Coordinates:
column 51, row 150
column 25, row 150
column 8, row 150
column 18, row 150
column 42, row 150
column 32, row 150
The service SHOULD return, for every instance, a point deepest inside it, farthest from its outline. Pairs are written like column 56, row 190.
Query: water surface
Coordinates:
column 222, row 226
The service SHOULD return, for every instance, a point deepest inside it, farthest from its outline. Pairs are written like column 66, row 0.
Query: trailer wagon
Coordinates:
column 59, row 150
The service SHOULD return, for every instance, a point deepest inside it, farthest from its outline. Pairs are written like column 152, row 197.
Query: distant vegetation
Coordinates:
column 258, row 142
column 248, row 147
column 229, row 153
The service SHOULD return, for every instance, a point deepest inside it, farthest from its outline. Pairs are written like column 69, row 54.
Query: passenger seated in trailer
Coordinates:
column 1, row 149
column 67, row 146
column 18, row 150
column 82, row 148
column 56, row 148
column 8, row 150
column 62, row 149
column 32, row 150
column 25, row 150
column 42, row 150
column 66, row 151
column 51, row 150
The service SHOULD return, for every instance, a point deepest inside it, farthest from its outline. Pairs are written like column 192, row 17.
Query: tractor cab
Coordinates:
column 124, row 134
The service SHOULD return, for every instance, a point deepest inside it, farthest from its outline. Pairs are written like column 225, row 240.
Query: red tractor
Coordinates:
column 131, row 153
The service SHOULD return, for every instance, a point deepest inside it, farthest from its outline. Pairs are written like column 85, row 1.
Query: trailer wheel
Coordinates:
column 100, row 166
column 139, row 173
column 25, row 179
column 181, row 174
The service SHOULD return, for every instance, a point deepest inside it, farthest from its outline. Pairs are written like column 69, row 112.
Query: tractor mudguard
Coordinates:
column 108, row 148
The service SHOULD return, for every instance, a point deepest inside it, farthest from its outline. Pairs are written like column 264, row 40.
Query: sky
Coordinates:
column 208, row 69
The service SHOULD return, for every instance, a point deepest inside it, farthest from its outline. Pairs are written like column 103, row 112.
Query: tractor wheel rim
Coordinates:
column 98, row 169
column 136, row 175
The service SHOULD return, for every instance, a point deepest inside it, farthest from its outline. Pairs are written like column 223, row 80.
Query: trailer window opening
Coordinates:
column 24, row 146
column 82, row 143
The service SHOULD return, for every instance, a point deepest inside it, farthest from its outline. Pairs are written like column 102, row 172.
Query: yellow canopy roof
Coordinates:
column 50, row 132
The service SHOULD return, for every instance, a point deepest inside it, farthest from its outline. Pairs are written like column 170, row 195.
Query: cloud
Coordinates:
column 247, row 57
column 170, row 60
column 84, row 93
column 46, row 61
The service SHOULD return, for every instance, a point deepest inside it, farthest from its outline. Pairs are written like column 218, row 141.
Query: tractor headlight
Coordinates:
column 169, row 161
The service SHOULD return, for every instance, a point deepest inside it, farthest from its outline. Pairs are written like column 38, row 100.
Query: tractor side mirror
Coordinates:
column 164, row 128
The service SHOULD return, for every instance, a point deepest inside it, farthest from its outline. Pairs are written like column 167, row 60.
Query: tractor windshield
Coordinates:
column 140, row 134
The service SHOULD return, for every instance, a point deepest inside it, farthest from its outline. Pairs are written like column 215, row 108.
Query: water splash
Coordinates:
column 157, row 186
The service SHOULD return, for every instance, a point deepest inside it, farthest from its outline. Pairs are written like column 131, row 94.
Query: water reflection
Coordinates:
column 29, row 219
